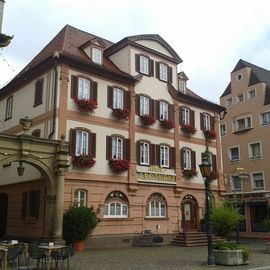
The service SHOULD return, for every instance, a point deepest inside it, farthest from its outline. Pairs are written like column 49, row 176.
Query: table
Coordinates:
column 49, row 250
column 4, row 247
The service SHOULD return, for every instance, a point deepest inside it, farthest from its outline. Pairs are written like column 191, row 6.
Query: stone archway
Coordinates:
column 50, row 158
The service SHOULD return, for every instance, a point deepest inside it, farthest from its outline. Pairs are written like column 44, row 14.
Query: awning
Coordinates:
column 257, row 202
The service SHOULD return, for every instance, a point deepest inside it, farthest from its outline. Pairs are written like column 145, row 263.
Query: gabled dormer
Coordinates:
column 94, row 48
column 182, row 82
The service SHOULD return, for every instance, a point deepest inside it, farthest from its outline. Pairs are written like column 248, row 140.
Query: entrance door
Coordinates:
column 189, row 209
column 3, row 213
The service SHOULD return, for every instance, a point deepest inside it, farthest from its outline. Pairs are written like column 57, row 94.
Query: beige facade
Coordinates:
column 245, row 143
column 153, row 193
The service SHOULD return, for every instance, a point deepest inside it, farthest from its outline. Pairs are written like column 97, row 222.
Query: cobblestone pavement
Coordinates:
column 165, row 257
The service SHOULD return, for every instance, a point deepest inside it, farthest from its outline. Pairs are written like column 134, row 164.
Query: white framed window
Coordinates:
column 182, row 87
column 229, row 102
column 255, row 150
column 82, row 138
column 9, row 106
column 117, row 148
column 265, row 118
column 223, row 131
column 234, row 154
column 252, row 94
column 118, row 98
column 236, row 184
column 206, row 122
column 144, row 153
column 186, row 159
column 242, row 124
column 163, row 110
column 156, row 206
column 144, row 105
column 164, row 156
column 144, row 65
column 97, row 56
column 80, row 197
column 116, row 205
column 185, row 116
column 240, row 98
column 84, row 89
column 163, row 72
column 257, row 181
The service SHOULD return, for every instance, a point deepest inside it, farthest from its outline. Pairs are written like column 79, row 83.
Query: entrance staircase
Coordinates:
column 193, row 238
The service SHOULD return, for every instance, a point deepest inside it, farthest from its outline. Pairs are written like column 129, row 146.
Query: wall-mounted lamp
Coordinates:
column 20, row 169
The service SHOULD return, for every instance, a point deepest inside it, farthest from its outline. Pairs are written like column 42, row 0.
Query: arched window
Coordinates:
column 116, row 205
column 156, row 206
column 80, row 197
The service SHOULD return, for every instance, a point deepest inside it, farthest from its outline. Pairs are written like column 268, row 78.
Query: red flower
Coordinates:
column 86, row 105
column 167, row 124
column 210, row 134
column 147, row 120
column 189, row 129
column 119, row 165
column 189, row 173
column 121, row 113
column 83, row 161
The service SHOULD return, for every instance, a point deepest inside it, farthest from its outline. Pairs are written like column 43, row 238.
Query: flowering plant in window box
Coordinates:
column 86, row 105
column 121, row 113
column 119, row 165
column 189, row 173
column 147, row 120
column 213, row 175
column 167, row 124
column 188, row 129
column 210, row 134
column 83, row 161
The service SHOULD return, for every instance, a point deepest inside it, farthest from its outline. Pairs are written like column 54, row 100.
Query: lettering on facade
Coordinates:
column 156, row 174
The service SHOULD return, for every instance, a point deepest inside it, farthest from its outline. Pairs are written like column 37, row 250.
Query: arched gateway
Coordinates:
column 189, row 209
column 49, row 159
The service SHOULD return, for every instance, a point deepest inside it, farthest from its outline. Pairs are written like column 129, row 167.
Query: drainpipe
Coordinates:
column 56, row 58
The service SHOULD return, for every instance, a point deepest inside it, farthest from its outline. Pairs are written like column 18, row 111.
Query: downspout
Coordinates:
column 55, row 57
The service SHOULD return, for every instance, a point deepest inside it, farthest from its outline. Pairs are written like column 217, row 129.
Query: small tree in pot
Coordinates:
column 78, row 224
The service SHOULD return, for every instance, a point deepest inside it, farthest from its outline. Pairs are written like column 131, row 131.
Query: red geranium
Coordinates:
column 189, row 129
column 147, row 120
column 210, row 134
column 119, row 165
column 83, row 161
column 121, row 113
column 167, row 124
column 86, row 105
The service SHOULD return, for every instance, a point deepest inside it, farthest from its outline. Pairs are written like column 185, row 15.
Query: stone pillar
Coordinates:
column 49, row 216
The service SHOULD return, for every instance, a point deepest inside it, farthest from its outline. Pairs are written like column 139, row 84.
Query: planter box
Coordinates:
column 229, row 257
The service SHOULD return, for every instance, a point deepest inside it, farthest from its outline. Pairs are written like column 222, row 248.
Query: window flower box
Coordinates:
column 188, row 129
column 210, row 134
column 121, row 113
column 147, row 120
column 83, row 161
column 119, row 165
column 167, row 124
column 85, row 105
column 189, row 173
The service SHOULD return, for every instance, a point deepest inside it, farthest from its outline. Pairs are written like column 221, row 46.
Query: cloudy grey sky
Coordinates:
column 210, row 36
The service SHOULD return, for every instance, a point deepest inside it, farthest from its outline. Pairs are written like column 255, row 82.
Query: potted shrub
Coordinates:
column 78, row 224
column 147, row 120
column 188, row 129
column 83, row 161
column 85, row 105
column 167, row 124
column 210, row 134
column 119, row 165
column 189, row 173
column 121, row 113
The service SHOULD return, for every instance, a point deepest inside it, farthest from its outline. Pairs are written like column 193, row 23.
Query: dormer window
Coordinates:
column 163, row 72
column 96, row 56
column 144, row 65
column 182, row 87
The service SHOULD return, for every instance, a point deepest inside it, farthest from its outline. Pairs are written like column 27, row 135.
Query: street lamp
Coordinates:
column 205, row 169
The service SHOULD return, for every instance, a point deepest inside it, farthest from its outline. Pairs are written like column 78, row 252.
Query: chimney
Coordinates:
column 2, row 2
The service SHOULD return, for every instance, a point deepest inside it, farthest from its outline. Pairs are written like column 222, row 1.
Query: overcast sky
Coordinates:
column 210, row 36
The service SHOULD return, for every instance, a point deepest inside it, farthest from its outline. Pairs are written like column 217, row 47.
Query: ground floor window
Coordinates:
column 116, row 205
column 257, row 216
column 156, row 206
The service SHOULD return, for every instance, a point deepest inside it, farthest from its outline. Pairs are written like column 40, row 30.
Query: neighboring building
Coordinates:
column 244, row 132
column 130, row 158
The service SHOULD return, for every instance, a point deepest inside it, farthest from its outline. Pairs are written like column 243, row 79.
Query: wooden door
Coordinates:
column 189, row 215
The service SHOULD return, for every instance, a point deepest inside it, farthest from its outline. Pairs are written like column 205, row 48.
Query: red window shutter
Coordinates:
column 201, row 118
column 212, row 122
column 137, row 62
column 92, row 144
column 138, row 104
column 214, row 163
column 180, row 115
column 170, row 74
column 192, row 118
column 152, row 107
column 37, row 202
column 138, row 152
column 74, row 86
column 151, row 68
column 171, row 112
column 127, row 100
column 193, row 160
column 157, row 70
column 24, row 204
column 94, row 87
column 172, row 157
column 126, row 149
column 72, row 142
column 182, row 158
column 157, row 109
column 154, row 154
column 110, row 97
column 108, row 147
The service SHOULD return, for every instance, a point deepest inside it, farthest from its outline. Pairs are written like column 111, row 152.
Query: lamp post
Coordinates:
column 205, row 169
